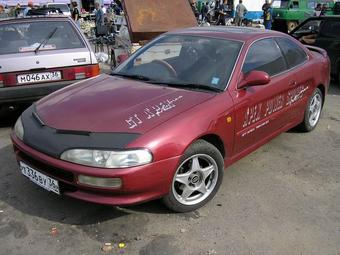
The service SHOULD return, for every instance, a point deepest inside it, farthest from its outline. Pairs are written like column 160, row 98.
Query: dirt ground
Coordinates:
column 282, row 199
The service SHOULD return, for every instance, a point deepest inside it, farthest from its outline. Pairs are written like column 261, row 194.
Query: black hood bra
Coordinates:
column 54, row 142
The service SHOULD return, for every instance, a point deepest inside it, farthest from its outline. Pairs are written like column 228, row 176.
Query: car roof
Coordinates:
column 229, row 32
column 34, row 18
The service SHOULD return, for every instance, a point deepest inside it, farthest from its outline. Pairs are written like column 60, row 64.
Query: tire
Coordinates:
column 310, row 121
column 199, row 175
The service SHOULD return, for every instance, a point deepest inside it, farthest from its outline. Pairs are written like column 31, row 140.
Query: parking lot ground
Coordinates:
column 282, row 199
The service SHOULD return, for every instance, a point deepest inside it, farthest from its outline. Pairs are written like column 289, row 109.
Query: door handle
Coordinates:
column 292, row 83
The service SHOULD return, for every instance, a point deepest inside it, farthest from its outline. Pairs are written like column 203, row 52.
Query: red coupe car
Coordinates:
column 172, row 117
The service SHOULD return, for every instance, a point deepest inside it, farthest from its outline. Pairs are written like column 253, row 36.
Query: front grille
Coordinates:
column 45, row 168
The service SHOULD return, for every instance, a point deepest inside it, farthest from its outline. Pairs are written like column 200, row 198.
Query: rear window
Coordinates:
column 27, row 36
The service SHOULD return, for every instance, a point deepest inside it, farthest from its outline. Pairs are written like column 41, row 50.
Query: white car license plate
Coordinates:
column 38, row 77
column 42, row 180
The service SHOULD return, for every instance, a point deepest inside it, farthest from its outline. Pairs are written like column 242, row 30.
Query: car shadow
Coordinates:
column 8, row 117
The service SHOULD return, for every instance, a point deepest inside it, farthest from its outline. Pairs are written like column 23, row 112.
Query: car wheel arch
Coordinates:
column 323, row 91
column 213, row 139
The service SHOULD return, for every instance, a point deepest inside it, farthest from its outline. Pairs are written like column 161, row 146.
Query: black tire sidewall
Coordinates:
column 198, row 147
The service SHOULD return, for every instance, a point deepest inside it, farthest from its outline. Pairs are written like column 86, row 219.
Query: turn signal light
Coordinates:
column 100, row 182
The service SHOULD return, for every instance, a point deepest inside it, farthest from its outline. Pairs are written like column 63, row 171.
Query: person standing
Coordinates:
column 222, row 10
column 30, row 6
column 17, row 10
column 3, row 14
column 317, row 10
column 241, row 10
column 194, row 8
column 75, row 12
column 323, row 10
column 99, row 19
column 267, row 15
column 205, row 10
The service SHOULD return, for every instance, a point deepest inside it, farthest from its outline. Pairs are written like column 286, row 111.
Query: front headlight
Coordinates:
column 19, row 129
column 107, row 159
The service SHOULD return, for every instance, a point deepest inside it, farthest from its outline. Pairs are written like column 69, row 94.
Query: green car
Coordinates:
column 287, row 14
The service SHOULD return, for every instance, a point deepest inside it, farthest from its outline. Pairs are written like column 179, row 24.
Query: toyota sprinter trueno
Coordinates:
column 172, row 117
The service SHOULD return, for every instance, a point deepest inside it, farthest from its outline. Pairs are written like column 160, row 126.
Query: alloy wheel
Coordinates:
column 315, row 109
column 195, row 179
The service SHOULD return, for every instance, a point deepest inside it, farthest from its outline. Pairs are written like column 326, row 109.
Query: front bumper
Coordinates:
column 139, row 184
column 30, row 93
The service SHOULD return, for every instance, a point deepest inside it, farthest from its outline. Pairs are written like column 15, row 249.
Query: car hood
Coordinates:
column 113, row 104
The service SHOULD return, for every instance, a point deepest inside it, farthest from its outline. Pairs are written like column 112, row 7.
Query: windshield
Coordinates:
column 184, row 60
column 27, row 36
column 310, row 26
column 280, row 3
column 62, row 7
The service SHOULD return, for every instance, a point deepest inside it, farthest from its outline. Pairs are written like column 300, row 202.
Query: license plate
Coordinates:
column 38, row 77
column 40, row 179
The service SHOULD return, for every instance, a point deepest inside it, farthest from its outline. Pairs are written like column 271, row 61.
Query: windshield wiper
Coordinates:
column 133, row 76
column 169, row 84
column 193, row 86
column 43, row 42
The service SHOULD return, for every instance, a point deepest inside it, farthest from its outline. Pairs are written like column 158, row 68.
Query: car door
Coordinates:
column 301, row 78
column 260, row 110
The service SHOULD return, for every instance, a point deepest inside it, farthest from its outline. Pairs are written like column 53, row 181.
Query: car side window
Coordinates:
column 311, row 4
column 264, row 55
column 331, row 29
column 295, row 5
column 293, row 53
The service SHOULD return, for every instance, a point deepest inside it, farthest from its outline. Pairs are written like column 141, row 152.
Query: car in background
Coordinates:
column 39, row 55
column 169, row 119
column 62, row 7
column 323, row 32
column 336, row 8
column 287, row 14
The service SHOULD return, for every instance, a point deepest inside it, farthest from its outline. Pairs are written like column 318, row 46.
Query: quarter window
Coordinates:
column 264, row 55
column 293, row 53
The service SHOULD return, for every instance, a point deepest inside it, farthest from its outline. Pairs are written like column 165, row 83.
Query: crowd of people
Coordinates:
column 320, row 10
column 223, row 9
column 17, row 11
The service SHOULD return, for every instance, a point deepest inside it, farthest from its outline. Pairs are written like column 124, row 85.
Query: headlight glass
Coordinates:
column 108, row 159
column 19, row 129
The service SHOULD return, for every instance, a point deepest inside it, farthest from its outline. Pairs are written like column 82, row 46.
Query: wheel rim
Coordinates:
column 315, row 109
column 195, row 179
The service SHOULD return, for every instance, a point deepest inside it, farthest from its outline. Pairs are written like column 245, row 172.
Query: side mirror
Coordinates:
column 254, row 78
